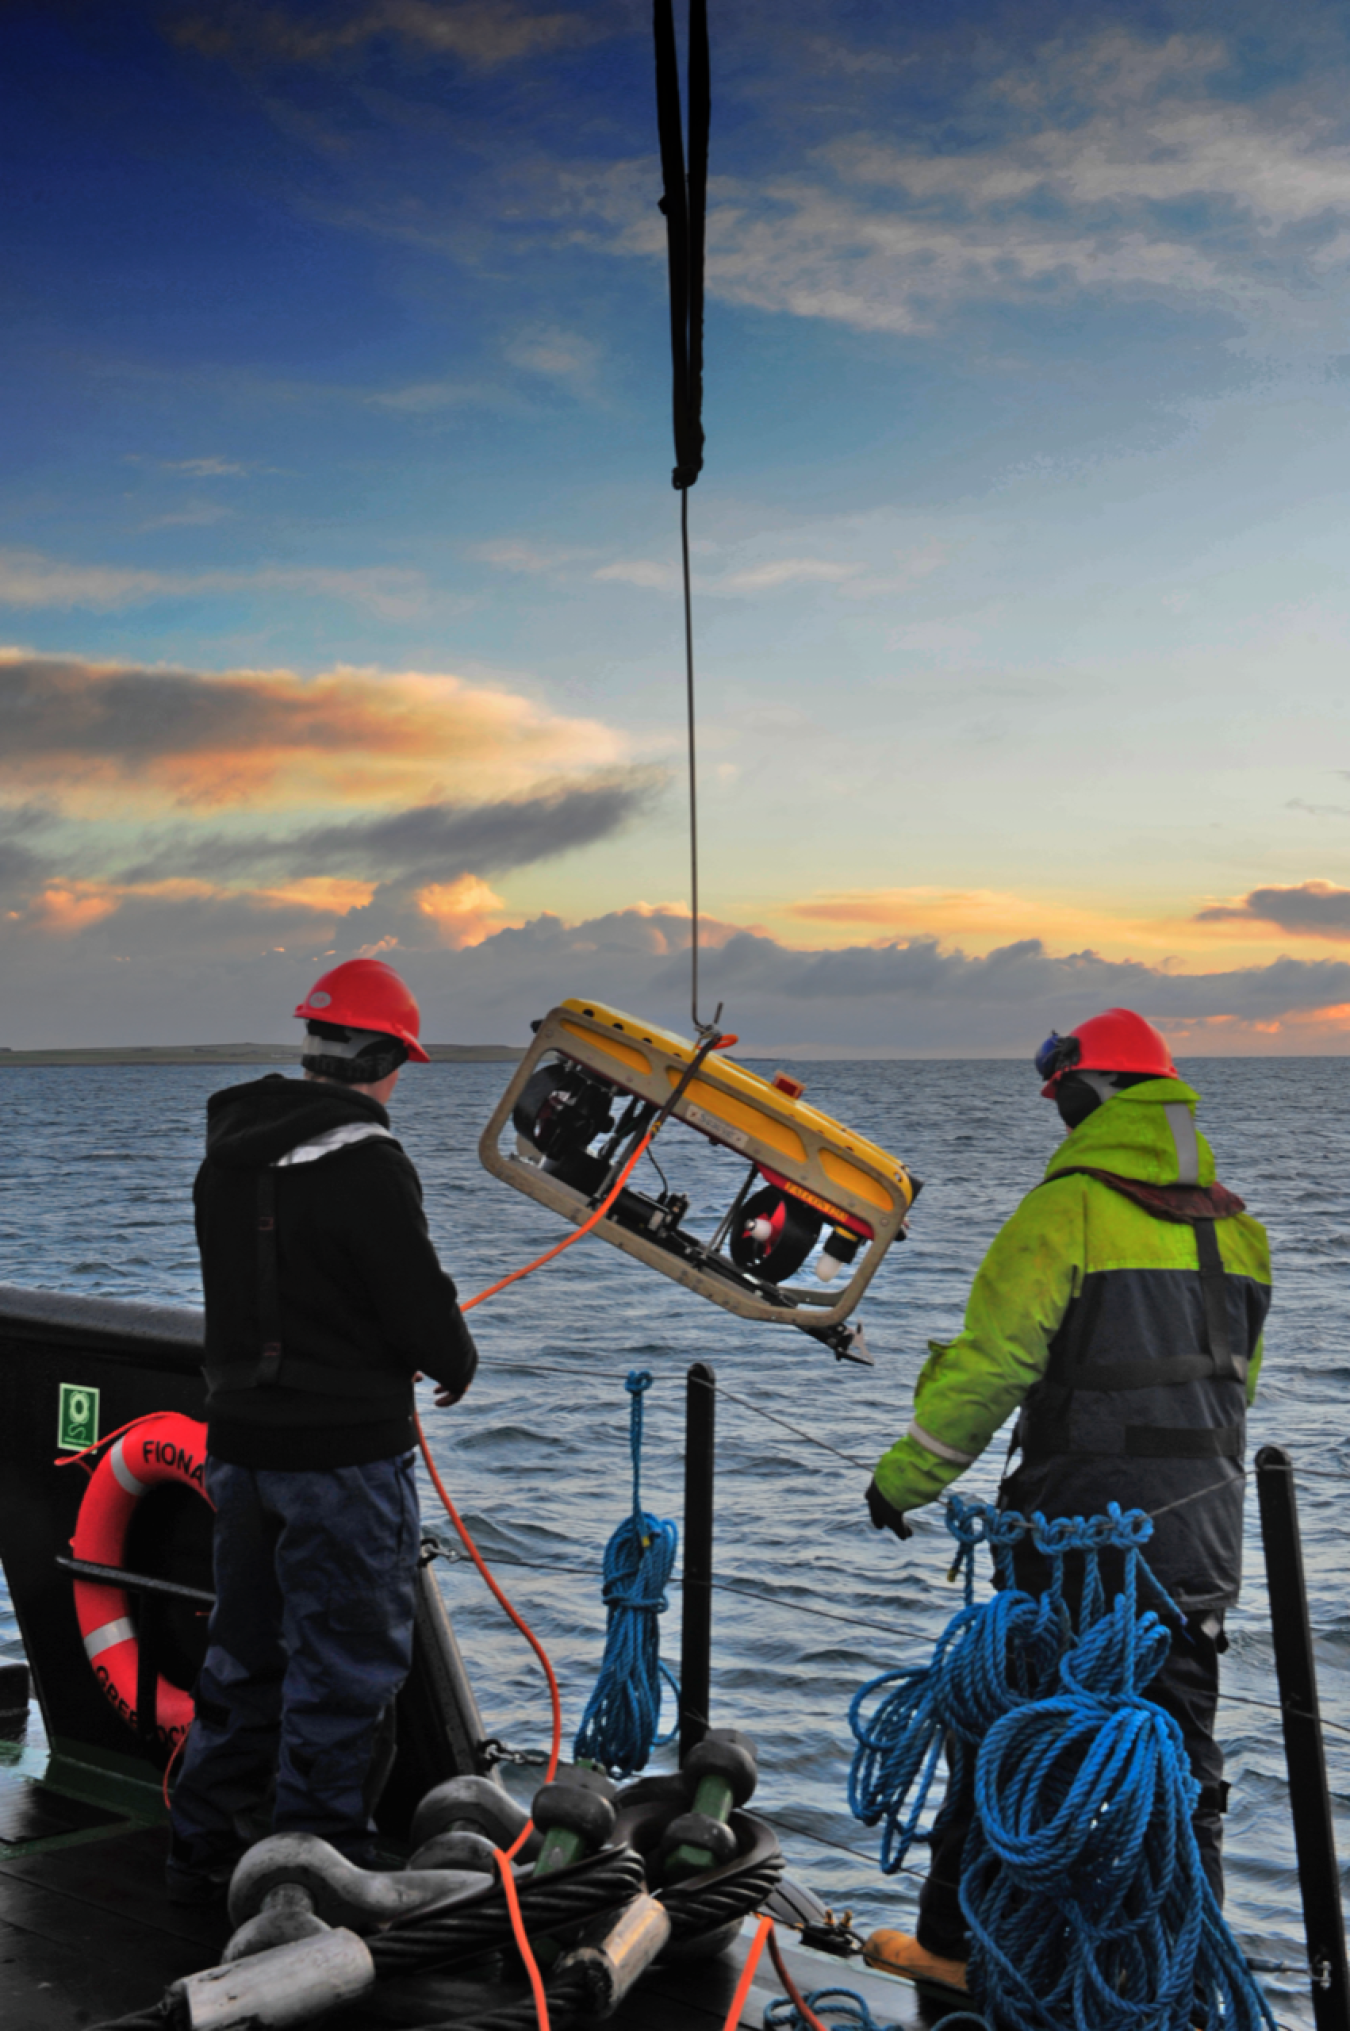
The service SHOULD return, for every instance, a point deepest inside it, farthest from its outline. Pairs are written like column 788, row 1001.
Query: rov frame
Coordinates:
column 853, row 1186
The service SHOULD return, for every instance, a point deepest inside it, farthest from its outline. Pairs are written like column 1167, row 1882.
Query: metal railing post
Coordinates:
column 696, row 1625
column 1309, row 1798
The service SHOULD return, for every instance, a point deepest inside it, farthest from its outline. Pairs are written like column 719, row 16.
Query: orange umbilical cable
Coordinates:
column 522, row 1937
column 519, row 1620
column 733, row 2016
column 568, row 1241
column 794, row 1994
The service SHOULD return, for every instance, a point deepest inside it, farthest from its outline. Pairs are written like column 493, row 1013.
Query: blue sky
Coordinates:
column 338, row 601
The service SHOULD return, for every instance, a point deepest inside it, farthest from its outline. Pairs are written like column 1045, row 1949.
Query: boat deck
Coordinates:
column 86, row 1934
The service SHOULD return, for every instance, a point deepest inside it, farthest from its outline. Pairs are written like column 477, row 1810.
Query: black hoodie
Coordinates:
column 362, row 1301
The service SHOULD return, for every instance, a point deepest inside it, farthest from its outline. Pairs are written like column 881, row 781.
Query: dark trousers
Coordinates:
column 1187, row 1688
column 310, row 1640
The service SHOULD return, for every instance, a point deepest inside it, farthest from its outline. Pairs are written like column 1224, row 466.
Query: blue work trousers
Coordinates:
column 309, row 1642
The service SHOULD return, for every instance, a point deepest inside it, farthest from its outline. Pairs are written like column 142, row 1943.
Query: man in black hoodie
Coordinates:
column 324, row 1300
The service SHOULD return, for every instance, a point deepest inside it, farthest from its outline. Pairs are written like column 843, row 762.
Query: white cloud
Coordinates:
column 513, row 554
column 423, row 398
column 859, row 558
column 779, row 571
column 482, row 33
column 645, row 572
column 208, row 468
column 1121, row 165
column 28, row 579
column 557, row 355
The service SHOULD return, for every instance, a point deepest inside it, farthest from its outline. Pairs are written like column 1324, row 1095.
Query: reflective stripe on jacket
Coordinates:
column 1083, row 1277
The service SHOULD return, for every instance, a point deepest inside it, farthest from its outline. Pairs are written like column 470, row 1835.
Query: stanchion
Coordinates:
column 696, row 1626
column 1309, row 1798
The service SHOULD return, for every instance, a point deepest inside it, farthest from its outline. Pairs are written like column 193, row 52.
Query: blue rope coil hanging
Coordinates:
column 990, row 1658
column 1081, row 1881
column 622, row 1722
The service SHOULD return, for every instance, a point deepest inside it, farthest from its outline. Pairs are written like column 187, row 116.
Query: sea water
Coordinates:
column 95, row 1197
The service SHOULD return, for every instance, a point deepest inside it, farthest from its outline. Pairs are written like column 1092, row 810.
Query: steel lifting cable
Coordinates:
column 685, row 204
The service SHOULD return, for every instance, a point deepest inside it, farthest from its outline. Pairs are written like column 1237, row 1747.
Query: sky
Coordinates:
column 339, row 594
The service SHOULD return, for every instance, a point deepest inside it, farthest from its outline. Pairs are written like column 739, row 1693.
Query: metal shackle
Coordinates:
column 285, row 1915
column 701, row 1831
column 475, row 1805
column 340, row 1892
column 727, row 1755
column 271, row 1991
column 458, row 1850
column 579, row 1801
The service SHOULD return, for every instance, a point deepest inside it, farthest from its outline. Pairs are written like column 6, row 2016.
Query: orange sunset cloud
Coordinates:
column 980, row 917
column 116, row 737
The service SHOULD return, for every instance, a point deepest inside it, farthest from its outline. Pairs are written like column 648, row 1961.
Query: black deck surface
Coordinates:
column 86, row 1934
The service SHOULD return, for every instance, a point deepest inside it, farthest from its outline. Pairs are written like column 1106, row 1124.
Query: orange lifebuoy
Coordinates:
column 163, row 1447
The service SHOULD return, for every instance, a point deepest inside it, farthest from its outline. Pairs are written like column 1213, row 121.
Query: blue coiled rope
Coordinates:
column 1081, row 1881
column 990, row 1658
column 846, row 2010
column 622, row 1722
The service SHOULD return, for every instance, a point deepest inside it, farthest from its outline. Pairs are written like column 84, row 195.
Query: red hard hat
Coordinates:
column 365, row 994
column 1117, row 1040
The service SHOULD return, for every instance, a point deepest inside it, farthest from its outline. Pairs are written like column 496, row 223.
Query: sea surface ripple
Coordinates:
column 96, row 1198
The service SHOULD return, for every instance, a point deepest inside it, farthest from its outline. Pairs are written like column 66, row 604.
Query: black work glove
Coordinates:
column 883, row 1516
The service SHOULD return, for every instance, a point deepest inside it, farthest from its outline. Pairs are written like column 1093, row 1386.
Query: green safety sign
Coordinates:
column 77, row 1424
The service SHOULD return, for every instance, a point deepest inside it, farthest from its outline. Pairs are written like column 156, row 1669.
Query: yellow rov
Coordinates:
column 595, row 1080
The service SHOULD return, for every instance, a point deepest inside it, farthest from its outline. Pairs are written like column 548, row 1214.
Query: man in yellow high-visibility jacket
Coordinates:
column 1120, row 1309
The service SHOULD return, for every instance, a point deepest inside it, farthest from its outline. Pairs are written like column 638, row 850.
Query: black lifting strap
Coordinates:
column 269, row 1283
column 685, row 206
column 1218, row 1326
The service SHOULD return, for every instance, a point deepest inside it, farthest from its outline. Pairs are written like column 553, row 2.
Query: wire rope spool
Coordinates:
column 591, row 1085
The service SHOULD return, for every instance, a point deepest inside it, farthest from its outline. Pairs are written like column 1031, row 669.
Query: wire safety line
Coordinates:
column 849, row 1458
column 807, row 1833
column 724, row 1586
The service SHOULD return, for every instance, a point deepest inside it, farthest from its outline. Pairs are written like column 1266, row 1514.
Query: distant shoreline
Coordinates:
column 235, row 1054
column 511, row 1054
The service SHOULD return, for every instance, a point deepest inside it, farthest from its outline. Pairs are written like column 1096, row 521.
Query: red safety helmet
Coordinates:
column 365, row 994
column 1117, row 1040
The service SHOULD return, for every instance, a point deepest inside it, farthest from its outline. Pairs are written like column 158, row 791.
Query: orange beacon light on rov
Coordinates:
column 589, row 1088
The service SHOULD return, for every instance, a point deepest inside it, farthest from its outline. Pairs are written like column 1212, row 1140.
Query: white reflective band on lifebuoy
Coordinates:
column 126, row 1479
column 943, row 1451
column 123, row 1630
